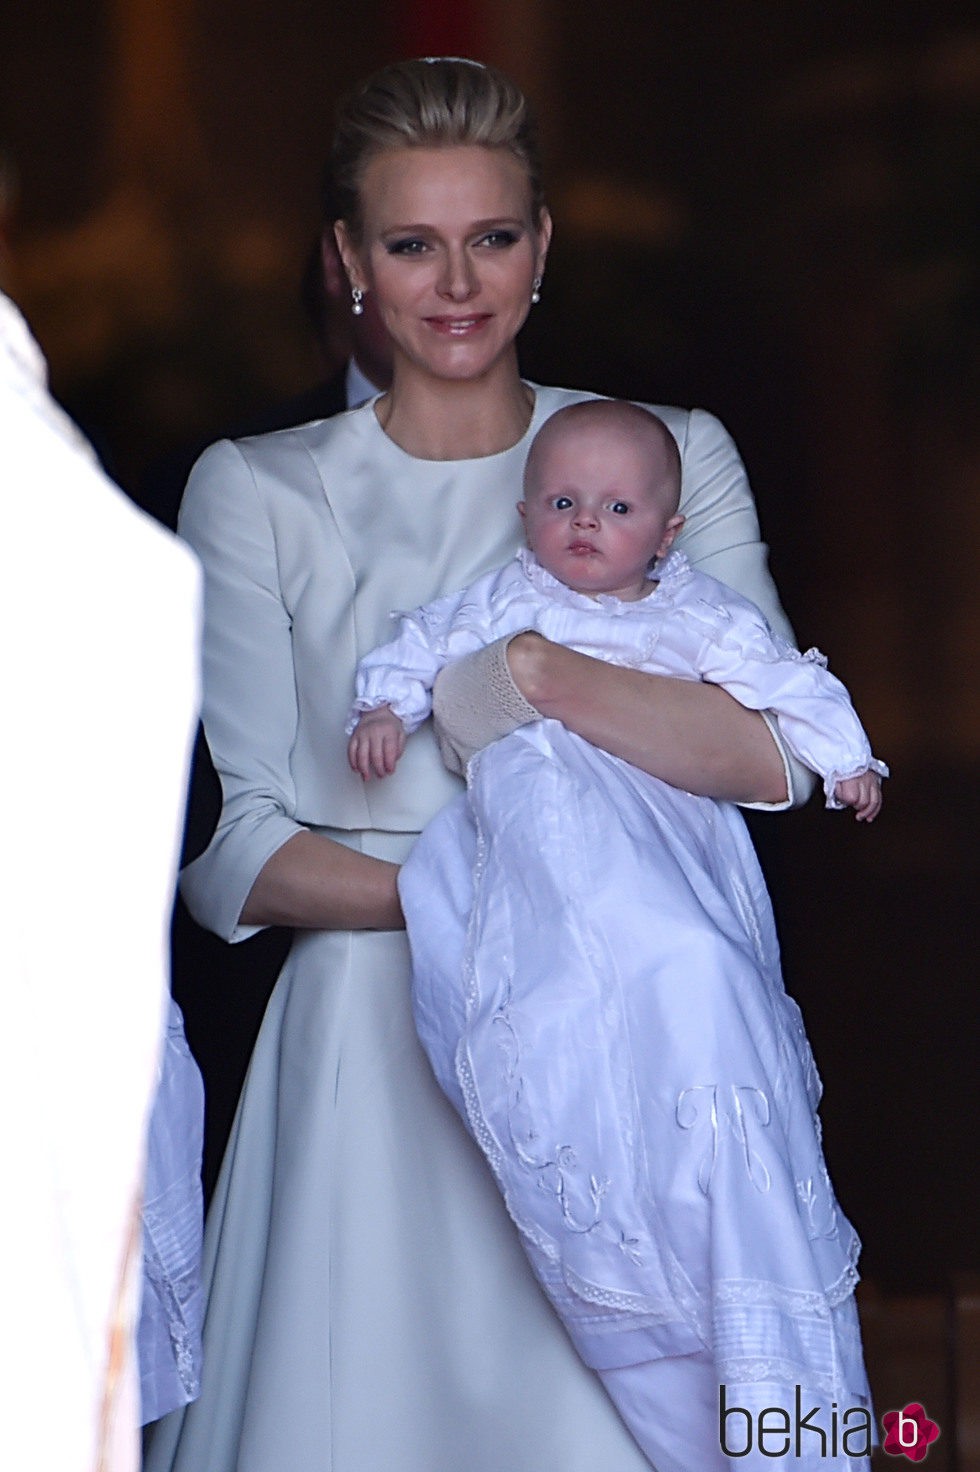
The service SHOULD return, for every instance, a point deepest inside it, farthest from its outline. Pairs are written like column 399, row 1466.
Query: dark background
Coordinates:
column 770, row 209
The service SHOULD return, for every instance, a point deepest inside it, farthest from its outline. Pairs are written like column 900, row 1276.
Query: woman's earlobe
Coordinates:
column 347, row 253
column 334, row 273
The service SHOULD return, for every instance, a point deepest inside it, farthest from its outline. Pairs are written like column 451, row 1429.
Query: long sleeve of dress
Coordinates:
column 721, row 533
column 246, row 648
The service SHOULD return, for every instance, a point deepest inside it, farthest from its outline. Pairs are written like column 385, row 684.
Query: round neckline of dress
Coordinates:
column 368, row 409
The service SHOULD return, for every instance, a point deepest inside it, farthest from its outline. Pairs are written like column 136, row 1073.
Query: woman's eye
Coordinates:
column 410, row 246
column 499, row 239
column 619, row 507
column 562, row 503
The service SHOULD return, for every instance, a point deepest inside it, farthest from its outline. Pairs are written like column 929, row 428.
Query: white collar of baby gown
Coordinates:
column 668, row 572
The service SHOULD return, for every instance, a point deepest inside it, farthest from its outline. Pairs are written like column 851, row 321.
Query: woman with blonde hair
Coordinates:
column 370, row 1308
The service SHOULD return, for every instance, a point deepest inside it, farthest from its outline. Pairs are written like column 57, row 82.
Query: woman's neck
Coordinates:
column 439, row 419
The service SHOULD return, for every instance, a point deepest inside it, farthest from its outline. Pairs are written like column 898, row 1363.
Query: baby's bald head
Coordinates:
column 620, row 423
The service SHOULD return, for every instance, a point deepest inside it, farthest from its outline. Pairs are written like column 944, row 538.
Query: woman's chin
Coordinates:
column 462, row 359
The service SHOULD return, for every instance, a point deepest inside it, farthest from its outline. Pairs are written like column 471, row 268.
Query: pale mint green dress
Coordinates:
column 369, row 1306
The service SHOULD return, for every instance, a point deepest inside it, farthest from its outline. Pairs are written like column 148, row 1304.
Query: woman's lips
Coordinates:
column 459, row 326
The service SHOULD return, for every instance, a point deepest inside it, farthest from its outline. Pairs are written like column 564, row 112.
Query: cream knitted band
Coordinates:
column 475, row 701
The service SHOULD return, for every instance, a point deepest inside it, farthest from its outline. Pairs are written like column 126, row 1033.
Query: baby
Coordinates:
column 601, row 491
column 595, row 970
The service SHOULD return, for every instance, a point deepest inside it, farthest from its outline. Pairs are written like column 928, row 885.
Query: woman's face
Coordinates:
column 450, row 249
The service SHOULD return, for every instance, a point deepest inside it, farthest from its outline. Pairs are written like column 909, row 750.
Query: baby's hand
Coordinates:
column 862, row 793
column 376, row 743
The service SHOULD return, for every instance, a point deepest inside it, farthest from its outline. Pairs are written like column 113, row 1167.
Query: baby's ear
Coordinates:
column 522, row 510
column 670, row 532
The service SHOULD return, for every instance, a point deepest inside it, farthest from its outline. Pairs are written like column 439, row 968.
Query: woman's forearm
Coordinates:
column 693, row 735
column 312, row 883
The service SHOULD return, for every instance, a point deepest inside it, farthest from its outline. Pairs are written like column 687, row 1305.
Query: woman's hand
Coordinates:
column 693, row 735
column 312, row 883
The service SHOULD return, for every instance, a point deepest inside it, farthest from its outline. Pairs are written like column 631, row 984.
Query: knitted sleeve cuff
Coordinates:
column 475, row 701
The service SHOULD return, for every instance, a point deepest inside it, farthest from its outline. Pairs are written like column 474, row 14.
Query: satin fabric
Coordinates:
column 368, row 1303
column 597, row 986
column 310, row 539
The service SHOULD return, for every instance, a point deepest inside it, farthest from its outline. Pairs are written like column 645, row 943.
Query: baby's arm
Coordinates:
column 812, row 708
column 393, row 684
column 376, row 742
column 393, row 696
column 398, row 676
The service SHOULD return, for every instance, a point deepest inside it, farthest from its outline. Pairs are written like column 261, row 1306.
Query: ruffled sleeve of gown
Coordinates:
column 763, row 671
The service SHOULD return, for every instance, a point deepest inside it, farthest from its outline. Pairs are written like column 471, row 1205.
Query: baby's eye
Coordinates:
column 562, row 503
column 410, row 245
column 620, row 508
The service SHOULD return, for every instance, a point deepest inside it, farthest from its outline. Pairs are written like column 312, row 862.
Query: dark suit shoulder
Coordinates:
column 319, row 402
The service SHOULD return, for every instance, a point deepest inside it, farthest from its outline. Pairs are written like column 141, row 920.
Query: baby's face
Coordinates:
column 598, row 512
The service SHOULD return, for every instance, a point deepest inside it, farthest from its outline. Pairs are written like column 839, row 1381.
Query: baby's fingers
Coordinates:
column 868, row 804
column 354, row 753
column 359, row 752
column 392, row 746
column 386, row 746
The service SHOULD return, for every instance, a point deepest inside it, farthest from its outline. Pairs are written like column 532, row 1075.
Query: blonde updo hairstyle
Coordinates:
column 430, row 104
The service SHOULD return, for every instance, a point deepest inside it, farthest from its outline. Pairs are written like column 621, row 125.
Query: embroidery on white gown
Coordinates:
column 619, row 1040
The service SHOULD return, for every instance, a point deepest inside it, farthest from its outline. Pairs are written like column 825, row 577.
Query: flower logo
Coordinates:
column 909, row 1433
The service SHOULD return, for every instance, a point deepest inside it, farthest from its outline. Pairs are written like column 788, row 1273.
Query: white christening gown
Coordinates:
column 597, row 985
